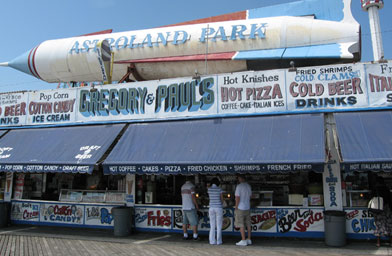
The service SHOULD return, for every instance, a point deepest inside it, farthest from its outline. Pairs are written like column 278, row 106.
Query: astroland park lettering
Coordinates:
column 339, row 84
column 177, row 97
column 178, row 37
column 263, row 96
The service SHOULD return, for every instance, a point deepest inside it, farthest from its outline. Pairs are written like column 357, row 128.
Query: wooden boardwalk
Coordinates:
column 53, row 241
column 44, row 246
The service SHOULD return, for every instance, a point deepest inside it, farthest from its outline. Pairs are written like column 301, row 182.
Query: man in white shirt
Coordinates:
column 243, row 192
column 189, row 209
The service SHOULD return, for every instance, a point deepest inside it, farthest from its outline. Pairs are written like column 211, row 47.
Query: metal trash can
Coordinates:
column 122, row 220
column 335, row 228
column 4, row 216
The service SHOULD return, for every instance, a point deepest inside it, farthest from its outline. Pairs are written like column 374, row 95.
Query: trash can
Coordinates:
column 335, row 228
column 4, row 218
column 122, row 220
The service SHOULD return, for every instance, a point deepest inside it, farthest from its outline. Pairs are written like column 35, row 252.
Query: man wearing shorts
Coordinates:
column 243, row 192
column 189, row 209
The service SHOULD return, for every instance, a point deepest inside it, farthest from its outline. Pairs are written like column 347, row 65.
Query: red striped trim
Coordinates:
column 198, row 57
column 28, row 63
column 33, row 60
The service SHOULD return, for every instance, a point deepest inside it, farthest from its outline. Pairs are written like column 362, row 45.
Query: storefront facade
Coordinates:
column 87, row 151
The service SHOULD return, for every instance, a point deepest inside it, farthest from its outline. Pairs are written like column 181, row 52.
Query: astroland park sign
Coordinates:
column 345, row 87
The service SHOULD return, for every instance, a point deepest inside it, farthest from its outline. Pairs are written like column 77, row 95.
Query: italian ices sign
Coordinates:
column 378, row 79
column 345, row 87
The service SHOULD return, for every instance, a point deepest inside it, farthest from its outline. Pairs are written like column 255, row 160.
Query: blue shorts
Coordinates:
column 190, row 217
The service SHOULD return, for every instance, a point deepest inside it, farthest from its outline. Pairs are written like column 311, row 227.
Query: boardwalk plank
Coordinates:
column 100, row 248
column 37, row 241
column 3, row 239
column 52, row 246
column 34, row 246
column 26, row 245
column 15, row 246
column 5, row 246
column 47, row 247
column 8, row 246
column 61, row 246
column 87, row 248
column 83, row 248
column 114, row 248
column 30, row 246
column 20, row 245
column 72, row 246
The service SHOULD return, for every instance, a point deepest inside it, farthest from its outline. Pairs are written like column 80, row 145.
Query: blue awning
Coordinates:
column 60, row 149
column 232, row 145
column 365, row 140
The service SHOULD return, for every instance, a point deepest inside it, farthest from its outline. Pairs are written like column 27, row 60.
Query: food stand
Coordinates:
column 271, row 216
column 288, row 144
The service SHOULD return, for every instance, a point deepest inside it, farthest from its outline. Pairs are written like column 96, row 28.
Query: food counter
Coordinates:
column 271, row 214
column 84, row 208
column 266, row 221
column 307, row 222
column 94, row 215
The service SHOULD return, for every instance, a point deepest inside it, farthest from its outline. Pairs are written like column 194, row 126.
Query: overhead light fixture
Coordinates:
column 292, row 67
column 196, row 76
column 93, row 89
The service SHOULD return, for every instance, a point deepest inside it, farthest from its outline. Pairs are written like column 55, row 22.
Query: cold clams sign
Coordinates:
column 319, row 89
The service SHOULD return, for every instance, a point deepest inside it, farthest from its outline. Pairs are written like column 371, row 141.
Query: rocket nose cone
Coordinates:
column 25, row 63
column 21, row 63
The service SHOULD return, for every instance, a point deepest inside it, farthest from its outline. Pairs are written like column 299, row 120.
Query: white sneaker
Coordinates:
column 242, row 243
column 249, row 242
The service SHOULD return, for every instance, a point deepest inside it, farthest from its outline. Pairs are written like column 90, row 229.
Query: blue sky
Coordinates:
column 25, row 24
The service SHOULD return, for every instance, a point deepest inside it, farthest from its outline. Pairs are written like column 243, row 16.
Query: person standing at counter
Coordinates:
column 243, row 193
column 382, row 219
column 189, row 208
column 215, row 212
